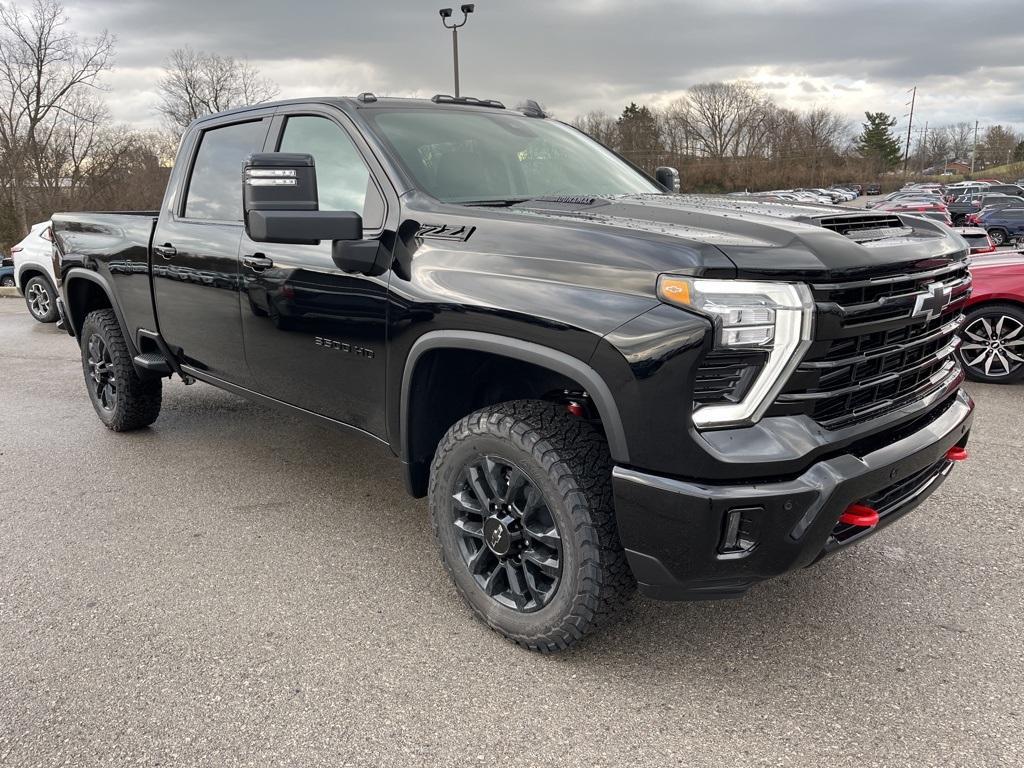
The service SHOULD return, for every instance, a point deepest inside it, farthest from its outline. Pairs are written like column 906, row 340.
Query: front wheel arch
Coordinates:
column 549, row 361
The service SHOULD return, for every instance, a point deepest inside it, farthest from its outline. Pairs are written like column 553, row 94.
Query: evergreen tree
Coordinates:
column 877, row 142
column 638, row 135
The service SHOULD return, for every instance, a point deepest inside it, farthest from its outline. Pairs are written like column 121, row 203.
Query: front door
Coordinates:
column 195, row 253
column 314, row 335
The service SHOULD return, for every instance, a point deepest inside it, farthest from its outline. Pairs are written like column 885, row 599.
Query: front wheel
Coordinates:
column 521, row 505
column 992, row 344
column 7, row 281
column 122, row 399
column 999, row 236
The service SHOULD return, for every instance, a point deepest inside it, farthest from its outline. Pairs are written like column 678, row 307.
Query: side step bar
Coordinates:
column 152, row 362
column 160, row 363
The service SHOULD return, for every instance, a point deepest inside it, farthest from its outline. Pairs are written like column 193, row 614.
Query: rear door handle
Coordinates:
column 257, row 262
column 166, row 250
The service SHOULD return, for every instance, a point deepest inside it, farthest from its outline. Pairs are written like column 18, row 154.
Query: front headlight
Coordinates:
column 773, row 318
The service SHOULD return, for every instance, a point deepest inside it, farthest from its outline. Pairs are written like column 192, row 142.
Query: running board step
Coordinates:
column 152, row 362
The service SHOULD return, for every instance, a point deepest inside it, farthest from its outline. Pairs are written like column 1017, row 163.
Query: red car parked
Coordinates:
column 992, row 347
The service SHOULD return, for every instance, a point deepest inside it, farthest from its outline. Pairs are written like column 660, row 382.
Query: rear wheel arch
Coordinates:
column 85, row 292
column 513, row 369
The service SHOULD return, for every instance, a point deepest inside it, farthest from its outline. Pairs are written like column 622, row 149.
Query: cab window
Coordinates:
column 343, row 181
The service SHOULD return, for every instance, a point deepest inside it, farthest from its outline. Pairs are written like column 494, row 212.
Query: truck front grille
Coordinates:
column 881, row 343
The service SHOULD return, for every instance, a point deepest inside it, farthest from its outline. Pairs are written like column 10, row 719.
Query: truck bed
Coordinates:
column 115, row 245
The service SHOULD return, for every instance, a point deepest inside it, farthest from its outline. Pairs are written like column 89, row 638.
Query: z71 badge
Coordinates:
column 445, row 232
column 344, row 346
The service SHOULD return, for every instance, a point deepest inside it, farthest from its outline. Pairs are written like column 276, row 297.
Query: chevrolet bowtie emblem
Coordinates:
column 932, row 301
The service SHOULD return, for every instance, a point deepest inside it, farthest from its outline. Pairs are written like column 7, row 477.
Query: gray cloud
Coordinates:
column 587, row 54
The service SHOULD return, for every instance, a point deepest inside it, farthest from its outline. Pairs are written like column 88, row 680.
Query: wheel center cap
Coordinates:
column 497, row 535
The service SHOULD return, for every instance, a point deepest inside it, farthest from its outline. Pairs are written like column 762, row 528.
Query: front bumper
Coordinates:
column 689, row 541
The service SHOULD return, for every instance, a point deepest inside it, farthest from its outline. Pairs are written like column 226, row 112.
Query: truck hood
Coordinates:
column 773, row 240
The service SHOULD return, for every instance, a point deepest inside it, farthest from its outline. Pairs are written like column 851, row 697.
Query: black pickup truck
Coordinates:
column 598, row 383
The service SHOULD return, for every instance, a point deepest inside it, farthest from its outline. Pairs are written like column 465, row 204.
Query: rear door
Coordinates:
column 314, row 335
column 195, row 249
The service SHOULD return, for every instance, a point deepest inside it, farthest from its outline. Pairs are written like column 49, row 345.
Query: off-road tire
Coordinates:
column 568, row 461
column 138, row 400
column 41, row 299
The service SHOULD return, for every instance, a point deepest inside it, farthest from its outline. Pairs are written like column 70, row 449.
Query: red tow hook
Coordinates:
column 859, row 515
column 957, row 453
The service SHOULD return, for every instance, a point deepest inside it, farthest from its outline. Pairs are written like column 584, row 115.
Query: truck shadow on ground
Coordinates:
column 810, row 616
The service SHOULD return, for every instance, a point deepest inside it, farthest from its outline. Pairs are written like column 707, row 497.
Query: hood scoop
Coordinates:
column 866, row 228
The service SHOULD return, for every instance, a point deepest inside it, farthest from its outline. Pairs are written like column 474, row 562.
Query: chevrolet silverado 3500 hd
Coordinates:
column 599, row 384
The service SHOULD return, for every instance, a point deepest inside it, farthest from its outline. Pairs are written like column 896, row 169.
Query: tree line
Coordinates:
column 59, row 147
column 733, row 136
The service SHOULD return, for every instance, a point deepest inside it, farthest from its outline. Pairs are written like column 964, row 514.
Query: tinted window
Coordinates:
column 342, row 178
column 215, row 189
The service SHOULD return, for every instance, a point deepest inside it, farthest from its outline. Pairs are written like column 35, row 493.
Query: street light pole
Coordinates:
column 446, row 14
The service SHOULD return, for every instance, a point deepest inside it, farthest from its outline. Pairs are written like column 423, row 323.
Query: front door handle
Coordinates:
column 257, row 262
column 166, row 250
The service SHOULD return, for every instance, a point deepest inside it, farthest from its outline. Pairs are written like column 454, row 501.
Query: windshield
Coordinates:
column 461, row 157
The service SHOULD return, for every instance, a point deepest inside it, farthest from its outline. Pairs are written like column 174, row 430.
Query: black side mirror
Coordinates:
column 668, row 177
column 280, row 202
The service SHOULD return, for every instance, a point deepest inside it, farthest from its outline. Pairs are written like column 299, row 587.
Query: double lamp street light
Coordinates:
column 446, row 14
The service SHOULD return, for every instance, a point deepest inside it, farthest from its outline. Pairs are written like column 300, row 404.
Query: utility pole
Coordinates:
column 924, row 147
column 974, row 153
column 910, row 124
column 446, row 13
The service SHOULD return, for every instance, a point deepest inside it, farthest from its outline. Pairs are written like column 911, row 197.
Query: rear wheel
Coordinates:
column 999, row 236
column 40, row 298
column 122, row 399
column 7, row 281
column 992, row 348
column 521, row 505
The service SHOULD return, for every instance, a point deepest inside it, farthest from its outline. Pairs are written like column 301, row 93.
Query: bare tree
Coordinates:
column 600, row 126
column 45, row 69
column 197, row 83
column 961, row 140
column 727, row 119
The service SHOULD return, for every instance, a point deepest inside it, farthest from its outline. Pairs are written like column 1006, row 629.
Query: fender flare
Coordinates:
column 527, row 352
column 74, row 323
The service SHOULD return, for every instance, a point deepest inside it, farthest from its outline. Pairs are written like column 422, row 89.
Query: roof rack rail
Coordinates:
column 443, row 98
column 366, row 97
column 531, row 108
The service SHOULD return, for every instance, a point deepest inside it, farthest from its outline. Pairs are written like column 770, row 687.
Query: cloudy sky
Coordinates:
column 965, row 56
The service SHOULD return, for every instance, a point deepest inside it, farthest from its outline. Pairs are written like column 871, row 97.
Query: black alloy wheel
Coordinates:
column 522, row 507
column 102, row 373
column 508, row 538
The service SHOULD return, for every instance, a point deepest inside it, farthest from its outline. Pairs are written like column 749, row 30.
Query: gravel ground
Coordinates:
column 231, row 587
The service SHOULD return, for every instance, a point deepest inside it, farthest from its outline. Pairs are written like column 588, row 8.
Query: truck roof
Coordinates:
column 369, row 101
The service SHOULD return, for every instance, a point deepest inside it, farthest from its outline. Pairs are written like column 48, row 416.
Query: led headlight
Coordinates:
column 774, row 318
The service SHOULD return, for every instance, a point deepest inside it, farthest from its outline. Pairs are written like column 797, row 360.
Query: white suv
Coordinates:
column 33, row 272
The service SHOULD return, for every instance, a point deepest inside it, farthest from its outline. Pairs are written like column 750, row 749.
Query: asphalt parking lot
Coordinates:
column 231, row 587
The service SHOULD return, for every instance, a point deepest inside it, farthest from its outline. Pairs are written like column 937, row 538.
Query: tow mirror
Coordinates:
column 668, row 177
column 279, row 198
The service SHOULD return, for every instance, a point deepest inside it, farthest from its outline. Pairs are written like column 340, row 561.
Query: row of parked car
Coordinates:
column 993, row 206
column 817, row 195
